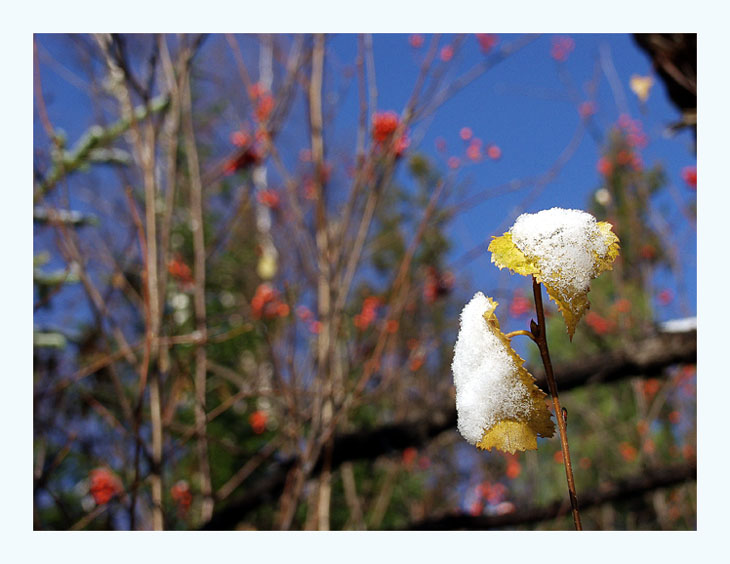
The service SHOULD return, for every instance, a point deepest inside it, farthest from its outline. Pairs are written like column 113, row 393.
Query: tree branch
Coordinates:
column 646, row 357
column 647, row 480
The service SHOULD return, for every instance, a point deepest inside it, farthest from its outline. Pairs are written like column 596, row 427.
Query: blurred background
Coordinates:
column 251, row 251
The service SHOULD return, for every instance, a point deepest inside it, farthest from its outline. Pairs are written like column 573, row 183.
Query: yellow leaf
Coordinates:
column 572, row 300
column 611, row 240
column 506, row 254
column 518, row 431
column 572, row 307
column 510, row 436
column 641, row 85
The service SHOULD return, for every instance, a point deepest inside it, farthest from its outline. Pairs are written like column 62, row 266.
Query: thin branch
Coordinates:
column 541, row 338
column 197, row 227
column 523, row 333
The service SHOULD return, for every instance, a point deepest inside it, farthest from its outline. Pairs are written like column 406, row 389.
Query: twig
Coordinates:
column 88, row 518
column 197, row 226
column 560, row 414
column 353, row 501
column 523, row 333
column 246, row 470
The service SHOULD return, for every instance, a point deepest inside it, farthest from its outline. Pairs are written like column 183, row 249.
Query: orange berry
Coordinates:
column 409, row 456
column 513, row 469
column 604, row 166
column 257, row 420
column 627, row 451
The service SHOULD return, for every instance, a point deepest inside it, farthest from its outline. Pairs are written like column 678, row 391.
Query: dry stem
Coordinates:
column 541, row 340
column 201, row 360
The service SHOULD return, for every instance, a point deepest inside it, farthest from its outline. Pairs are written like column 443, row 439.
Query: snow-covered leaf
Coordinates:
column 564, row 250
column 497, row 401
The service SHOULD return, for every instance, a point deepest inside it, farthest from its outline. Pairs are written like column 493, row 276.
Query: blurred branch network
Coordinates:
column 244, row 318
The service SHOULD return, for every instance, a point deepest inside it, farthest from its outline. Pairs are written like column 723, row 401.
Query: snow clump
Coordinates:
column 488, row 389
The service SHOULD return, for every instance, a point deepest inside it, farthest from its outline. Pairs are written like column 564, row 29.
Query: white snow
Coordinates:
column 564, row 243
column 485, row 375
column 679, row 325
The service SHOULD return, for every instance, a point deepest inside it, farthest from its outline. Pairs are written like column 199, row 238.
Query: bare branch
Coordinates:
column 648, row 480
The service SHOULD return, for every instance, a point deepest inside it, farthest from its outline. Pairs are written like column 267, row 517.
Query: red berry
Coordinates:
column 304, row 313
column 665, row 297
column 604, row 166
column 519, row 305
column 401, row 145
column 104, row 485
column 561, row 48
column 600, row 325
column 624, row 157
column 651, row 387
column 182, row 496
column 689, row 175
column 268, row 198
column 384, row 125
column 240, row 138
column 257, row 420
column 179, row 270
column 416, row 362
column 627, row 451
column 409, row 456
column 264, row 107
column 416, row 40
column 513, row 469
column 486, row 41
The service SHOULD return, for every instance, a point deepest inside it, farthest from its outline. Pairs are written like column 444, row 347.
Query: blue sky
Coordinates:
column 527, row 105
